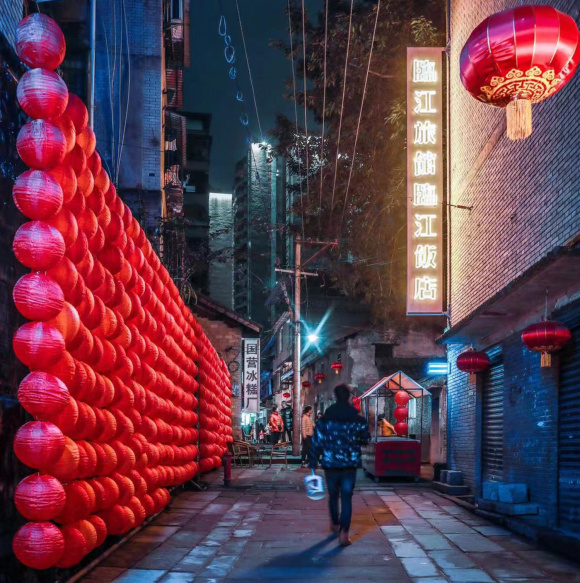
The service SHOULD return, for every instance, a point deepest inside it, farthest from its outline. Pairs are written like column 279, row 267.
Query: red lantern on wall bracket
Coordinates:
column 546, row 337
column 306, row 384
column 473, row 362
column 336, row 367
column 518, row 57
column 319, row 376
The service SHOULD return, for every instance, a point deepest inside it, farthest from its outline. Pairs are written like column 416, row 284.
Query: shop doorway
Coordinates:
column 492, row 419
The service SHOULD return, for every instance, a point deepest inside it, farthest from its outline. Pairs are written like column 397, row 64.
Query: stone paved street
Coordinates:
column 272, row 533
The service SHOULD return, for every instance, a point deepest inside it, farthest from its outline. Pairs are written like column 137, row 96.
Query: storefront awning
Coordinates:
column 397, row 382
column 522, row 301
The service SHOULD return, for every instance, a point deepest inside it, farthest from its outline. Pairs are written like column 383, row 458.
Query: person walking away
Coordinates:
column 337, row 441
column 276, row 425
column 288, row 420
column 318, row 417
column 307, row 430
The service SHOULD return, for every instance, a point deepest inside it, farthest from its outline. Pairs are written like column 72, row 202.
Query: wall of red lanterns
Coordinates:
column 127, row 393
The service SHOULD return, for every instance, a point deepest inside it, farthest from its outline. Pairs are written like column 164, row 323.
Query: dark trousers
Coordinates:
column 275, row 437
column 340, row 484
column 306, row 448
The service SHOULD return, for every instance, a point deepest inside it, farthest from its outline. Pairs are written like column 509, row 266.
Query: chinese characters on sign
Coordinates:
column 252, row 375
column 424, row 181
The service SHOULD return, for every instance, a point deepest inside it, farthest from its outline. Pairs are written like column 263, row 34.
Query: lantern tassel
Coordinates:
column 472, row 377
column 519, row 119
column 546, row 360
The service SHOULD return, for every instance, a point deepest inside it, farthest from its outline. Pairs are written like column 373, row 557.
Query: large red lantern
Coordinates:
column 38, row 297
column 39, row 498
column 38, row 545
column 42, row 93
column 546, row 337
column 41, row 144
column 38, row 245
column 401, row 413
column 402, row 398
column 38, row 345
column 402, row 428
column 40, row 42
column 319, row 376
column 473, row 362
column 39, row 444
column 519, row 57
column 75, row 547
column 43, row 395
column 37, row 194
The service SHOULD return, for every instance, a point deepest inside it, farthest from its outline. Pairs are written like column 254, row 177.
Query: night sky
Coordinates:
column 208, row 88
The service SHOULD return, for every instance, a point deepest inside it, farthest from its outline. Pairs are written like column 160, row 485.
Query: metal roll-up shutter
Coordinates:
column 569, row 425
column 492, row 418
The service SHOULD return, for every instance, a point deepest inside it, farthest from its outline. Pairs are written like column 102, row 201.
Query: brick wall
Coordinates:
column 228, row 342
column 10, row 16
column 523, row 192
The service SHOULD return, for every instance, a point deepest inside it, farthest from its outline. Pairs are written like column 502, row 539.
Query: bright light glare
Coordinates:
column 312, row 338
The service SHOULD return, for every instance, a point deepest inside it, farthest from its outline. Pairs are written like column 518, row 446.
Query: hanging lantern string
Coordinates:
column 230, row 57
column 546, row 310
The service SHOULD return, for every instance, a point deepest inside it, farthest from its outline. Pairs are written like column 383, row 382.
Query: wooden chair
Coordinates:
column 242, row 452
column 280, row 452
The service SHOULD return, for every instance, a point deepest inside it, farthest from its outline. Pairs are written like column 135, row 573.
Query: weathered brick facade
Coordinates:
column 525, row 199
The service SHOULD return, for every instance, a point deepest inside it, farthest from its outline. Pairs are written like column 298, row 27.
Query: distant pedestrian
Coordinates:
column 337, row 440
column 262, row 433
column 276, row 425
column 307, row 430
column 318, row 417
column 288, row 419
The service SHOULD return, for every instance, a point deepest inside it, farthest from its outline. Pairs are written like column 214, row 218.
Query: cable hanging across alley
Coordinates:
column 305, row 107
column 360, row 116
column 341, row 110
column 249, row 71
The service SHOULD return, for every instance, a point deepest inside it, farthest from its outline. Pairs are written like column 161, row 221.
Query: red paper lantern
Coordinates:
column 519, row 57
column 38, row 297
column 306, row 384
column 41, row 144
column 473, row 362
column 38, row 345
column 67, row 322
column 401, row 413
column 67, row 127
column 319, row 376
column 89, row 532
column 42, row 94
column 75, row 547
column 37, row 194
column 38, row 245
column 100, row 528
column 78, row 503
column 78, row 112
column 66, row 468
column 336, row 367
column 402, row 398
column 40, row 42
column 67, row 225
column 65, row 274
column 38, row 444
column 87, row 141
column 39, row 498
column 402, row 428
column 546, row 337
column 38, row 545
column 43, row 395
column 66, row 177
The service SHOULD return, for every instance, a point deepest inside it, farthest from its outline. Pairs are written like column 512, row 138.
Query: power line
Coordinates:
column 360, row 115
column 296, row 116
column 249, row 71
column 341, row 109
column 305, row 109
column 323, row 112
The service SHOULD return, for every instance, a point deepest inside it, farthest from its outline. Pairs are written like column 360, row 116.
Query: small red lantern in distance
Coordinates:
column 473, row 362
column 319, row 376
column 518, row 57
column 306, row 384
column 286, row 395
column 337, row 367
column 546, row 337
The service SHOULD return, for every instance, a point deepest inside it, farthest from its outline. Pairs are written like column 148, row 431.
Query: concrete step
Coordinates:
column 450, row 490
column 507, row 509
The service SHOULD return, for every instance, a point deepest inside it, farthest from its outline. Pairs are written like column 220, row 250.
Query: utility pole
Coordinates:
column 297, row 364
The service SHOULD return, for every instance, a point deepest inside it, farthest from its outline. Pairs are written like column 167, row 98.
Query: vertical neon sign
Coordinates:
column 424, row 181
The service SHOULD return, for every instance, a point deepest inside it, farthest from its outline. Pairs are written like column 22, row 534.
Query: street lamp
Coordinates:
column 313, row 338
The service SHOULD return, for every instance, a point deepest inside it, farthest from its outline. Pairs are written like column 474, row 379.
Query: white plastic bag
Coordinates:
column 314, row 486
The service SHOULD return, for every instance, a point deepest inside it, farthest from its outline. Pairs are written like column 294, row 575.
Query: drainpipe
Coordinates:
column 92, row 60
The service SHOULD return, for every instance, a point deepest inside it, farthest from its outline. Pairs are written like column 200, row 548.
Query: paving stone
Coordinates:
column 468, row 576
column 492, row 531
column 430, row 580
column 140, row 576
column 155, row 534
column 451, row 526
column 432, row 542
column 416, row 567
column 178, row 578
column 474, row 543
column 220, row 566
column 452, row 559
column 161, row 559
column 103, row 574
column 406, row 548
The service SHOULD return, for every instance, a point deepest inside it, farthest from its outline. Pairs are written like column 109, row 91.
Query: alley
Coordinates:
column 273, row 532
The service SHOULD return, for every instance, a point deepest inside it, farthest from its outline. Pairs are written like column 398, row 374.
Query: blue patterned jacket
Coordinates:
column 338, row 438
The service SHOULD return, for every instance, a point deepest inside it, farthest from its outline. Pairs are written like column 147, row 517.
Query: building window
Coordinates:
column 412, row 409
column 176, row 10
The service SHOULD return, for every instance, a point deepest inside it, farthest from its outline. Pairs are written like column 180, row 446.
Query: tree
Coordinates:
column 356, row 195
